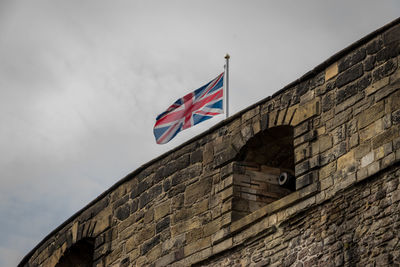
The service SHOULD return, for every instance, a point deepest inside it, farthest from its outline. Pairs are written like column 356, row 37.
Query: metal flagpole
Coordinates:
column 227, row 84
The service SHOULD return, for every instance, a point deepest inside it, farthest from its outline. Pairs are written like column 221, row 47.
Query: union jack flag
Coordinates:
column 195, row 107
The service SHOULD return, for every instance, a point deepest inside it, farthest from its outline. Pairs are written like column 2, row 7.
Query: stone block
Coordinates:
column 331, row 71
column 122, row 212
column 74, row 229
column 376, row 86
column 196, row 156
column 371, row 114
column 162, row 209
column 387, row 148
column 227, row 193
column 289, row 113
column 392, row 35
column 165, row 260
column 379, row 153
column 272, row 118
column 371, row 130
column 362, row 150
column 328, row 101
column 147, row 246
column 162, row 224
column 306, row 179
column 388, row 160
column 362, row 174
column 250, row 114
column 339, row 119
column 306, row 111
column 326, row 183
column 374, row 46
column 327, row 170
column 301, row 152
column 395, row 77
column 346, row 160
column 225, row 156
column 385, row 137
column 307, row 97
column 301, row 129
column 302, row 167
column 198, row 190
column 367, row 159
column 314, row 162
column 224, row 245
column 307, row 137
column 349, row 75
column 220, row 235
column 197, row 246
column 325, row 142
column 256, row 127
column 354, row 140
column 208, row 153
column 349, row 101
column 238, row 142
column 281, row 117
column 373, row 168
column 369, row 63
column 387, row 53
column 352, row 59
column 339, row 134
column 396, row 117
column 384, row 70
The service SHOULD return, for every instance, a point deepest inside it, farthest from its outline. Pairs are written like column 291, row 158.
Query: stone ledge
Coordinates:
column 274, row 206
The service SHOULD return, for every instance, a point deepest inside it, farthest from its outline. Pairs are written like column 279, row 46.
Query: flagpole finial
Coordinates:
column 227, row 56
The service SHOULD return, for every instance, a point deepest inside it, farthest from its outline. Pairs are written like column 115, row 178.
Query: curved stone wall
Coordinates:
column 179, row 209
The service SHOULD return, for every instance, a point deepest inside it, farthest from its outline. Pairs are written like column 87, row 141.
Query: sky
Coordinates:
column 81, row 83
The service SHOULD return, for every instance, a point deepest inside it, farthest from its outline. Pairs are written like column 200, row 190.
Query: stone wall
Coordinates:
column 357, row 227
column 341, row 124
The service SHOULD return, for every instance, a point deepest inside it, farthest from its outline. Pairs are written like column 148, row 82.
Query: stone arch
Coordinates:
column 79, row 255
column 272, row 147
column 260, row 164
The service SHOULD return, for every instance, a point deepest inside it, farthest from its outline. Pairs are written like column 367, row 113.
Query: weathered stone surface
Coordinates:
column 122, row 212
column 392, row 35
column 352, row 59
column 349, row 75
column 377, row 85
column 384, row 70
column 331, row 71
column 306, row 111
column 385, row 137
column 371, row 114
column 374, row 46
column 328, row 101
column 198, row 190
column 369, row 63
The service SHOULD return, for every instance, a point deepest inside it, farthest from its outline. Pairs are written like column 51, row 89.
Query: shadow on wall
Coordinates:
column 79, row 255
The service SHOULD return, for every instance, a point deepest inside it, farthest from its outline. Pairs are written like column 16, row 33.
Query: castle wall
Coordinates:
column 179, row 209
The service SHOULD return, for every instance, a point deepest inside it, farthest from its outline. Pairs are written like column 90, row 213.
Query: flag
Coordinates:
column 195, row 107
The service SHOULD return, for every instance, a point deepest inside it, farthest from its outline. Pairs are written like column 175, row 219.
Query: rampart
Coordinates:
column 220, row 198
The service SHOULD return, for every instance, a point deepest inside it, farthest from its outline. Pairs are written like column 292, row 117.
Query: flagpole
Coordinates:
column 227, row 84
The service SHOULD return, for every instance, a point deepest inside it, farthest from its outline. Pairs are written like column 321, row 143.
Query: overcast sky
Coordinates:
column 81, row 83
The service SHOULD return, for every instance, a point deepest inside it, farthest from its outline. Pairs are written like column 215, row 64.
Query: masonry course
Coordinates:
column 205, row 203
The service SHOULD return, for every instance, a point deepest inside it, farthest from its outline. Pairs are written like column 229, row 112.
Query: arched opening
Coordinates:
column 79, row 255
column 265, row 170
